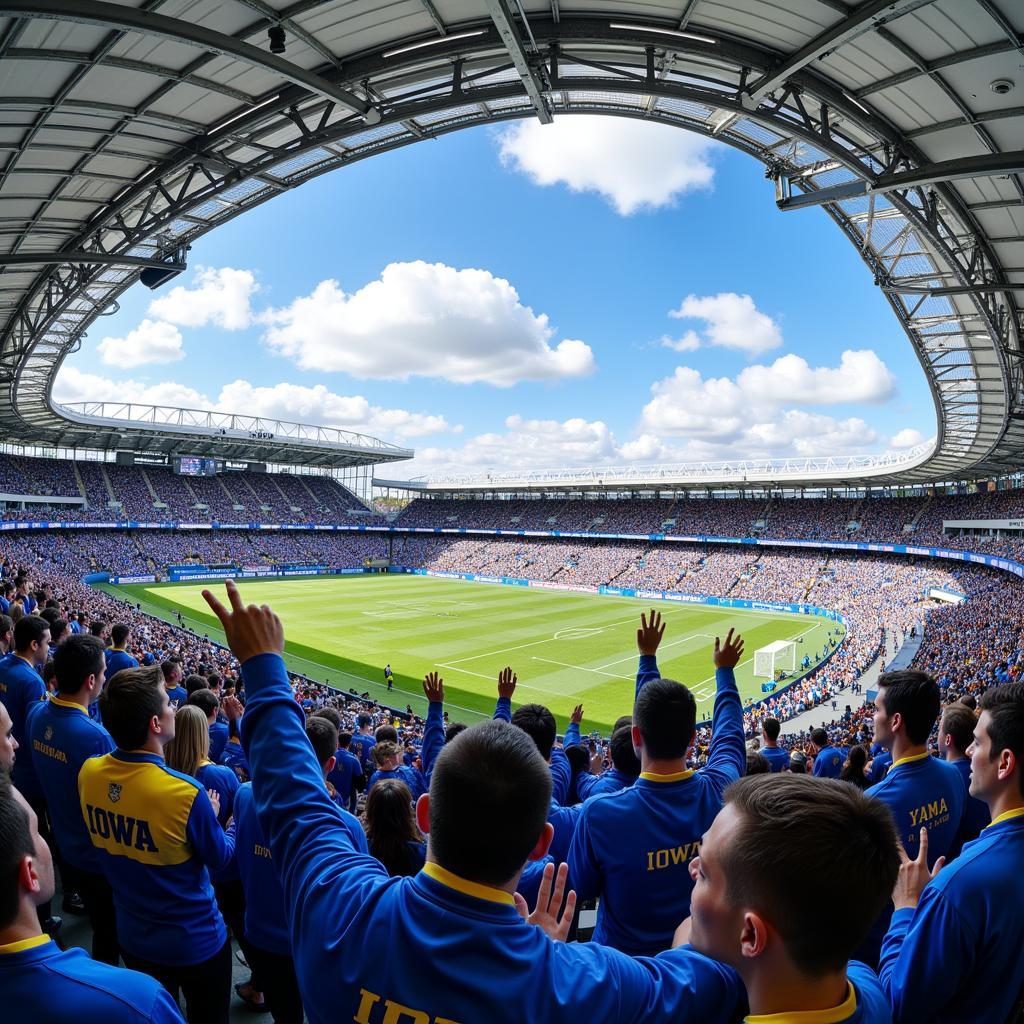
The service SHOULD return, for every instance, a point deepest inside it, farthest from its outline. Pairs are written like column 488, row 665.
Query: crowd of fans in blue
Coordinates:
column 377, row 866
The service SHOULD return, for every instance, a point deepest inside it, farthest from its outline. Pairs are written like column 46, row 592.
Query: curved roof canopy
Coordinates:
column 128, row 130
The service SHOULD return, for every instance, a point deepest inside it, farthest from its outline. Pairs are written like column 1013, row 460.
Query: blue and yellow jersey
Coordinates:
column 880, row 765
column 234, row 758
column 777, row 758
column 466, row 956
column 224, row 782
column 219, row 736
column 865, row 1003
column 922, row 792
column 117, row 660
column 633, row 848
column 561, row 770
column 156, row 839
column 176, row 697
column 563, row 820
column 829, row 763
column 343, row 775
column 410, row 776
column 62, row 737
column 610, row 781
column 362, row 748
column 265, row 924
column 21, row 687
column 41, row 983
column 957, row 957
column 976, row 815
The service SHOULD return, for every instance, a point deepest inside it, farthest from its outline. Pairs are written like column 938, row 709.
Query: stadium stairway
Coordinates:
column 823, row 713
column 111, row 496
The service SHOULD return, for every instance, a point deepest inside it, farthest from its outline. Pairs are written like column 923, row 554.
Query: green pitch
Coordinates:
column 566, row 648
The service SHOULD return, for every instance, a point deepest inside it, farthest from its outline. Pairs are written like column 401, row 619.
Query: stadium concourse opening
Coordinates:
column 281, row 733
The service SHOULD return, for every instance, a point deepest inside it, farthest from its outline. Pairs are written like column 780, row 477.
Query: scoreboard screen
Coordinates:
column 190, row 465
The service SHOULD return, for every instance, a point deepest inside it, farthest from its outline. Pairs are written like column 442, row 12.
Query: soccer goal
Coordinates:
column 779, row 655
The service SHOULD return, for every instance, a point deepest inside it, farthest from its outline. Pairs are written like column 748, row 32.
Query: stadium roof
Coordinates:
column 129, row 130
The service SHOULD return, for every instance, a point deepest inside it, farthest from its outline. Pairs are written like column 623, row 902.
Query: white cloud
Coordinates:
column 804, row 433
column 524, row 444
column 722, row 417
column 634, row 165
column 425, row 319
column 689, row 342
column 732, row 321
column 74, row 385
column 220, row 296
column 150, row 342
column 860, row 377
column 907, row 438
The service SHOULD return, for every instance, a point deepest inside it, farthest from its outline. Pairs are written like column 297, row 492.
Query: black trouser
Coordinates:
column 99, row 905
column 206, row 986
column 280, row 986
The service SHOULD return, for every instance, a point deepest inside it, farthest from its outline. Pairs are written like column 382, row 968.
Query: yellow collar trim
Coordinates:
column 67, row 704
column 17, row 947
column 673, row 777
column 1017, row 812
column 463, row 885
column 908, row 759
column 832, row 1016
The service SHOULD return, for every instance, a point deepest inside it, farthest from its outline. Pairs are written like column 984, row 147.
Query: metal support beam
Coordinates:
column 688, row 8
column 129, row 19
column 865, row 18
column 986, row 165
column 938, row 293
column 504, row 22
column 90, row 259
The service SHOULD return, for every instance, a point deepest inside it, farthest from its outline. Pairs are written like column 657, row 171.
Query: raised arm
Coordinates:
column 507, row 680
column 572, row 731
column 727, row 756
column 648, row 638
column 433, row 729
column 321, row 872
column 928, row 953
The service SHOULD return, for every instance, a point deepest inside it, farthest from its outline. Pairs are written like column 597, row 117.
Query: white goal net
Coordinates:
column 779, row 655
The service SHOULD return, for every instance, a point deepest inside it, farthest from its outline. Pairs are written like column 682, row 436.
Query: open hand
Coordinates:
column 914, row 875
column 433, row 688
column 577, row 714
column 649, row 635
column 549, row 900
column 249, row 631
column 728, row 655
column 507, row 680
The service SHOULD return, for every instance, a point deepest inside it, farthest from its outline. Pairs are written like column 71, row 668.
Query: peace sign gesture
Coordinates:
column 914, row 875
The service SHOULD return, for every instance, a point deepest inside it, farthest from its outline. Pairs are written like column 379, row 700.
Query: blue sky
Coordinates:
column 501, row 298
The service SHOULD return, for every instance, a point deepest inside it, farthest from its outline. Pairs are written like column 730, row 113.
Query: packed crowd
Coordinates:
column 916, row 520
column 196, row 799
column 109, row 491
